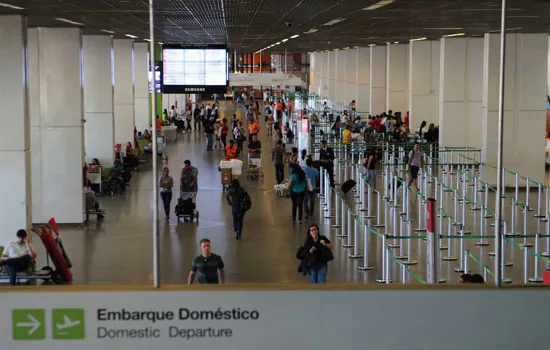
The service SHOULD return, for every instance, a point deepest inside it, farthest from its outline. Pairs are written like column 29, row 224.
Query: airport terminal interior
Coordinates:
column 398, row 104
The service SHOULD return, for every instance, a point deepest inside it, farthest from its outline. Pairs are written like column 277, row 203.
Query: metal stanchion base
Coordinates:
column 475, row 208
column 488, row 217
column 447, row 190
column 535, row 280
column 459, row 269
column 378, row 225
column 441, row 280
column 341, row 235
column 410, row 262
column 368, row 217
column 545, row 254
column 365, row 268
column 393, row 246
column 482, row 244
column 544, row 220
column 335, row 226
column 402, row 257
column 355, row 256
column 449, row 258
column 528, row 245
column 382, row 280
column 466, row 233
column 529, row 209
column 363, row 209
column 481, row 190
column 419, row 230
column 493, row 225
column 443, row 247
column 538, row 216
column 348, row 245
column 506, row 280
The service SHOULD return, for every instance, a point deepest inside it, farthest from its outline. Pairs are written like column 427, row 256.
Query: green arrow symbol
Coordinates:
column 34, row 324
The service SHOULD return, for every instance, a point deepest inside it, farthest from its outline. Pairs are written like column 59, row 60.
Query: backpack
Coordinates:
column 244, row 202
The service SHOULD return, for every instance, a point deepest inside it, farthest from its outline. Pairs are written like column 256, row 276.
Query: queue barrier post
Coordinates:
column 378, row 208
column 409, row 261
column 464, row 203
column 516, row 192
column 525, row 243
column 476, row 196
column 349, row 244
column 466, row 256
column 368, row 207
column 421, row 227
column 539, row 202
column 394, row 244
column 449, row 257
column 337, row 213
column 536, row 278
column 486, row 202
column 343, row 231
column 365, row 266
column 547, row 252
column 527, row 194
column 461, row 267
column 355, row 254
column 482, row 242
column 503, row 263
column 401, row 246
column 385, row 257
column 328, row 198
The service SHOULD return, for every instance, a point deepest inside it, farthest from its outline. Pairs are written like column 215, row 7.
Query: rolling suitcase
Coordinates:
column 348, row 185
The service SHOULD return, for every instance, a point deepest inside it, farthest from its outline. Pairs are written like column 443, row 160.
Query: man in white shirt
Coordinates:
column 17, row 256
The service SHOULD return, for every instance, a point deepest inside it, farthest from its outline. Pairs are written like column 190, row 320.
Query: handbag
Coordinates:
column 309, row 185
column 325, row 255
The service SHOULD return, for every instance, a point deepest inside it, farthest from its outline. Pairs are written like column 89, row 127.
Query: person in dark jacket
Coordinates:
column 315, row 255
column 233, row 198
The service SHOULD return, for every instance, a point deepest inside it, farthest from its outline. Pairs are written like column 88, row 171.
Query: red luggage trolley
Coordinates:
column 56, row 252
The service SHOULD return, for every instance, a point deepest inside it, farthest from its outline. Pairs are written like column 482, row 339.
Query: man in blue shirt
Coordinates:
column 311, row 174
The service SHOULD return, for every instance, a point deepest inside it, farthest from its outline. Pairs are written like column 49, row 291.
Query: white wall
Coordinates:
column 397, row 76
column 141, row 91
column 423, row 83
column 363, row 78
column 124, row 90
column 378, row 70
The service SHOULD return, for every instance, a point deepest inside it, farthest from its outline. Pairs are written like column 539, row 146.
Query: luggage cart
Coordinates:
column 187, row 207
column 254, row 170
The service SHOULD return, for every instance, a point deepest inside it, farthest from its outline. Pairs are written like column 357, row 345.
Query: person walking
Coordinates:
column 166, row 183
column 309, row 201
column 234, row 197
column 298, row 187
column 315, row 255
column 207, row 265
column 278, row 157
column 416, row 161
column 370, row 166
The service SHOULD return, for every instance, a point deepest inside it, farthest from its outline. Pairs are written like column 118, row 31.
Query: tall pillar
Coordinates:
column 99, row 129
column 524, row 103
column 378, row 71
column 141, row 91
column 340, row 85
column 350, row 76
column 397, row 78
column 15, row 212
column 332, row 75
column 423, row 83
column 124, row 90
column 61, row 125
column 324, row 75
column 312, row 73
column 34, row 116
column 363, row 74
column 460, row 93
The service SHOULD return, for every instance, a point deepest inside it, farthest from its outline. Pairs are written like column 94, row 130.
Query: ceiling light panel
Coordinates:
column 68, row 21
column 378, row 5
column 10, row 6
column 334, row 21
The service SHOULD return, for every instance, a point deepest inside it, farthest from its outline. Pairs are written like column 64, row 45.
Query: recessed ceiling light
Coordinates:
column 131, row 36
column 294, row 36
column 284, row 40
column 396, row 42
column 356, row 47
column 69, row 21
column 10, row 6
column 418, row 39
column 444, row 28
column 336, row 49
column 334, row 21
column 371, row 45
column 452, row 35
column 107, row 31
column 378, row 5
column 311, row 31
column 278, row 43
column 388, row 43
column 346, row 48
column 149, row 40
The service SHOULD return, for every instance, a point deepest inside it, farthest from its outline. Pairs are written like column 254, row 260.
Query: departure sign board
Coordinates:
column 194, row 70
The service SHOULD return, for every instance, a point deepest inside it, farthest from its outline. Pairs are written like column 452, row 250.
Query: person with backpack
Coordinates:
column 416, row 161
column 240, row 203
column 298, row 187
column 314, row 255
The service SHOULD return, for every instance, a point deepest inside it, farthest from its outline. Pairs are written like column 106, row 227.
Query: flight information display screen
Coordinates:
column 194, row 69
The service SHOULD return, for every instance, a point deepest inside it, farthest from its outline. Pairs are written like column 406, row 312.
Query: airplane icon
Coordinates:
column 68, row 323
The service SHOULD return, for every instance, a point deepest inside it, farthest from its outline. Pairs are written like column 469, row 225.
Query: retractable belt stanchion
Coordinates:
column 466, row 256
column 368, row 201
column 394, row 226
column 337, row 213
column 536, row 278
column 322, row 184
column 365, row 266
column 409, row 260
column 378, row 209
column 482, row 242
column 503, row 263
column 527, row 194
column 385, row 262
column 355, row 254
column 343, row 231
column 449, row 257
column 440, row 226
column 328, row 195
column 420, row 228
column 547, row 252
column 464, row 204
column 476, row 196
column 525, row 212
column 348, row 244
column 401, row 246
column 539, row 202
column 486, row 202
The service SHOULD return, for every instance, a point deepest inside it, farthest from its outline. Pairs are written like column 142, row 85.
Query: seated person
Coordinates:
column 130, row 160
column 146, row 135
column 115, row 178
column 92, row 205
column 231, row 150
column 17, row 256
column 255, row 147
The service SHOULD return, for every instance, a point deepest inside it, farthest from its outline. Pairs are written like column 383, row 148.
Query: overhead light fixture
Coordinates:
column 284, row 40
column 388, row 43
column 131, row 36
column 378, row 5
column 346, row 48
column 418, row 39
column 356, row 47
column 396, row 42
column 334, row 21
column 371, row 45
column 507, row 29
column 444, row 28
column 278, row 43
column 294, row 36
column 107, row 31
column 10, row 6
column 161, row 43
column 336, row 49
column 149, row 40
column 311, row 31
column 452, row 35
column 69, row 21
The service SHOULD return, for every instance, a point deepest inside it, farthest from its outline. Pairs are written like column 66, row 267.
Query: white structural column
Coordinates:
column 350, row 77
column 377, row 96
column 423, row 83
column 332, row 75
column 34, row 116
column 397, row 78
column 141, row 91
column 61, row 125
column 313, row 74
column 340, row 81
column 15, row 212
column 99, row 129
column 524, row 103
column 460, row 93
column 124, row 90
column 324, row 74
column 363, row 81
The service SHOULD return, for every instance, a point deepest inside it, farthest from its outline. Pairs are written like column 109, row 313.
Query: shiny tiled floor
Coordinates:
column 119, row 249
